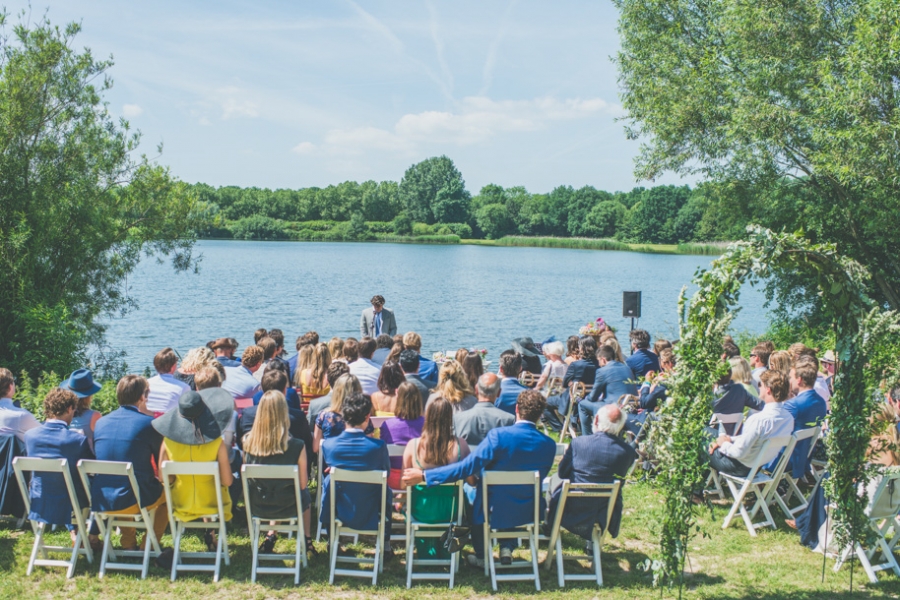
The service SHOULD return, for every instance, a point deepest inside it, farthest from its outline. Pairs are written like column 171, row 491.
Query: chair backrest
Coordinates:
column 377, row 421
column 457, row 511
column 736, row 419
column 885, row 502
column 590, row 490
column 337, row 475
column 811, row 432
column 579, row 389
column 87, row 468
column 23, row 464
column 172, row 468
column 288, row 472
column 396, row 449
column 787, row 442
column 528, row 379
column 561, row 449
column 494, row 478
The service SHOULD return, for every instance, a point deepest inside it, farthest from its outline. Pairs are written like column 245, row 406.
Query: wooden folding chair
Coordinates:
column 258, row 524
column 713, row 483
column 578, row 391
column 528, row 379
column 530, row 530
column 22, row 465
column 812, row 434
column 596, row 491
column 882, row 511
column 336, row 528
column 108, row 521
column 215, row 520
column 760, row 484
column 416, row 529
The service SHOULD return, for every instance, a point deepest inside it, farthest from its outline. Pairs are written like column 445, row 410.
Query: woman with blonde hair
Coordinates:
column 613, row 343
column 781, row 361
column 336, row 348
column 740, row 373
column 461, row 355
column 453, row 386
column 269, row 443
column 306, row 359
column 313, row 381
column 330, row 423
column 194, row 360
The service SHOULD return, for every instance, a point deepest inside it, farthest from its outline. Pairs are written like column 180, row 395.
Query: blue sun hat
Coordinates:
column 82, row 383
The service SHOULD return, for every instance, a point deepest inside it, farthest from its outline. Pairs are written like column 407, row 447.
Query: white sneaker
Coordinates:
column 474, row 561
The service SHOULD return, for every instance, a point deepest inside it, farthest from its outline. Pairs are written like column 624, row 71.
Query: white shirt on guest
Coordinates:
column 367, row 372
column 14, row 420
column 240, row 382
column 772, row 421
column 165, row 391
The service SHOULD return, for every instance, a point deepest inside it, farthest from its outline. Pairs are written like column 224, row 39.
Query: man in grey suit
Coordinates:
column 377, row 320
column 474, row 424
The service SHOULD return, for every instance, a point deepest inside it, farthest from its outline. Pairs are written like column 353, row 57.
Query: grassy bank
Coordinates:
column 711, row 249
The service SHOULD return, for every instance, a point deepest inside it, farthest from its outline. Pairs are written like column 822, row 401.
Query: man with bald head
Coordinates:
column 473, row 425
column 602, row 457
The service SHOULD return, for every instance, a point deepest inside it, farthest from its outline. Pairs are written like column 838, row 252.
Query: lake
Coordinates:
column 453, row 296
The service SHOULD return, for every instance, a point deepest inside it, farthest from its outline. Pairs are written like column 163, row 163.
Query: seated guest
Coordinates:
column 571, row 349
column 436, row 447
column 808, row 409
column 357, row 505
column 268, row 346
column 759, row 362
column 531, row 358
column 306, row 360
column 81, row 383
column 384, row 400
column 510, row 388
column 394, row 354
column 729, row 348
column 310, row 338
column 275, row 381
column 277, row 336
column 13, row 420
column 259, row 334
column 742, row 374
column 612, row 380
column 165, row 389
column 291, row 396
column 127, row 435
column 652, row 391
column 208, row 377
column 731, row 398
column 602, row 457
column 781, row 361
column 192, row 434
column 473, row 367
column 194, row 360
column 641, row 360
column 335, row 370
column 520, row 447
column 453, row 386
column 405, row 425
column 428, row 369
column 473, row 425
column 239, row 381
column 50, row 501
column 336, row 347
column 582, row 370
column 314, row 380
column 270, row 442
column 330, row 423
column 736, row 455
column 660, row 344
column 409, row 362
column 383, row 345
column 360, row 366
column 554, row 368
column 224, row 349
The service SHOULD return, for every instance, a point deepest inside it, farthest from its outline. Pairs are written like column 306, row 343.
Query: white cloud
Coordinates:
column 478, row 120
column 130, row 111
column 235, row 103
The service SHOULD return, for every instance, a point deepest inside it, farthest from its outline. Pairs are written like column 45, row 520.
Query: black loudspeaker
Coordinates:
column 631, row 305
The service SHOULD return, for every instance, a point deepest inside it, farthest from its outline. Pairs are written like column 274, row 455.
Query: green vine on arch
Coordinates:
column 860, row 328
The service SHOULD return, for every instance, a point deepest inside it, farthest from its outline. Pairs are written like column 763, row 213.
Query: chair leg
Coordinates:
column 70, row 572
column 488, row 548
column 254, row 548
column 598, row 568
column 410, row 557
column 560, row 562
column 301, row 554
column 38, row 547
column 107, row 546
column 333, row 544
column 176, row 539
column 489, row 557
column 534, row 557
column 223, row 535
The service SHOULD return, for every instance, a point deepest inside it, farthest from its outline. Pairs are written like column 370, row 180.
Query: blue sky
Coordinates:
column 297, row 94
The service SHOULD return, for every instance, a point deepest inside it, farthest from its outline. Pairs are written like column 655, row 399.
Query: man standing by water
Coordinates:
column 377, row 320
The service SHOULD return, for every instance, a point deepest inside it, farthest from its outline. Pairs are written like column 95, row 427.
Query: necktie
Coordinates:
column 377, row 324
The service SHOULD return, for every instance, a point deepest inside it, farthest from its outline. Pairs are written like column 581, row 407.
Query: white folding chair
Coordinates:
column 23, row 465
column 215, row 520
column 530, row 530
column 720, row 420
column 595, row 491
column 108, row 521
column 760, row 484
column 319, row 478
column 416, row 529
column 882, row 511
column 398, row 529
column 336, row 528
column 257, row 523
column 812, row 434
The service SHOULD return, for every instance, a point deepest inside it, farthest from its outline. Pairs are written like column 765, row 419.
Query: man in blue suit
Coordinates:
column 602, row 457
column 611, row 380
column 808, row 409
column 358, row 505
column 642, row 360
column 428, row 369
column 49, row 497
column 519, row 447
column 126, row 435
column 510, row 388
column 582, row 370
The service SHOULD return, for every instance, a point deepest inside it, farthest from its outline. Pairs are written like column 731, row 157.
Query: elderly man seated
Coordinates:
column 602, row 457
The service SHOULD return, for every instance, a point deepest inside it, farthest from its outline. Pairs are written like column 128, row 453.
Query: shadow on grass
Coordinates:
column 8, row 561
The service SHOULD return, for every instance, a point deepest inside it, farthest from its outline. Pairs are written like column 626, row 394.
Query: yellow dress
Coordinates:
column 312, row 390
column 193, row 496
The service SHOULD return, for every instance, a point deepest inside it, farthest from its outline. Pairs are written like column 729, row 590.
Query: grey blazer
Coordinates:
column 367, row 322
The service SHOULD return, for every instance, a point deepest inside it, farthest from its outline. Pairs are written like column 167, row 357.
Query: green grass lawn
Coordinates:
column 726, row 564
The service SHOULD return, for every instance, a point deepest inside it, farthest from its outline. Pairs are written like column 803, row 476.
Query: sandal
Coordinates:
column 310, row 548
column 211, row 543
column 268, row 544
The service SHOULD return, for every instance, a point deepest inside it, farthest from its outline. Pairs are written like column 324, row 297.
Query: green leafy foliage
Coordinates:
column 31, row 392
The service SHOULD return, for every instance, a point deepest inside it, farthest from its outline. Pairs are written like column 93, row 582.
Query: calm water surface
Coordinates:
column 454, row 296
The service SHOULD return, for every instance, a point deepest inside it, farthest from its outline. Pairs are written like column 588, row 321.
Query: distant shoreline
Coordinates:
column 699, row 249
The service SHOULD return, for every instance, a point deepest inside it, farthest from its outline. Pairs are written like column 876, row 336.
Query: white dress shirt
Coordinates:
column 14, row 420
column 772, row 421
column 240, row 382
column 367, row 372
column 165, row 391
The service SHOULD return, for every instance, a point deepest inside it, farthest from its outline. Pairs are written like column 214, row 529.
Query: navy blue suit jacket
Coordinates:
column 581, row 370
column 596, row 458
column 428, row 371
column 126, row 435
column 291, row 397
column 519, row 447
column 610, row 381
column 358, row 505
column 509, row 392
column 650, row 400
column 642, row 362
column 49, row 498
column 808, row 409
